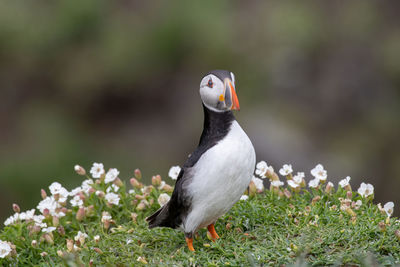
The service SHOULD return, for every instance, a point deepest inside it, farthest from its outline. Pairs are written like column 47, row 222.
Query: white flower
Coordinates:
column 298, row 178
column 262, row 168
column 96, row 238
column 345, row 182
column 258, row 183
column 174, row 172
column 12, row 219
column 97, row 170
column 277, row 183
column 86, row 185
column 75, row 191
column 49, row 229
column 161, row 185
column 80, row 236
column 38, row 219
column 47, row 203
column 111, row 175
column 113, row 187
column 76, row 201
column 388, row 208
column 57, row 189
column 105, row 216
column 286, row 169
column 313, row 183
column 5, row 249
column 319, row 172
column 357, row 204
column 292, row 184
column 112, row 198
column 366, row 190
column 131, row 191
column 244, row 197
column 163, row 199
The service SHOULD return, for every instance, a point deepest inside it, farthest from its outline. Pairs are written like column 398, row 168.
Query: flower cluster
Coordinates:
column 102, row 189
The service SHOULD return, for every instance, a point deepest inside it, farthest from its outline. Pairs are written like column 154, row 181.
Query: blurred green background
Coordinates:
column 117, row 82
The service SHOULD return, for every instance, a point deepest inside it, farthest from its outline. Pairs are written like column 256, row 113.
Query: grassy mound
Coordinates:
column 272, row 227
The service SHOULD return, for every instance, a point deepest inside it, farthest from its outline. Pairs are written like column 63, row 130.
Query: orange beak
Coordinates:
column 235, row 100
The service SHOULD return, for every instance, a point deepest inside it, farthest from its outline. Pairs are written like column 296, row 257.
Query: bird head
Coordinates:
column 218, row 92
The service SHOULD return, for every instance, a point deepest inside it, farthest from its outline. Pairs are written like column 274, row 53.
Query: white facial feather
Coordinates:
column 210, row 95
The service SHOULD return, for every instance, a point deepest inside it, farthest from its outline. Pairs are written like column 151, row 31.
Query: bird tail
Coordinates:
column 158, row 218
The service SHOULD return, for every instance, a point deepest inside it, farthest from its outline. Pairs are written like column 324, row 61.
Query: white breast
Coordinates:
column 220, row 177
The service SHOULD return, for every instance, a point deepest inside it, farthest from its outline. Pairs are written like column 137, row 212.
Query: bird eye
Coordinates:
column 210, row 83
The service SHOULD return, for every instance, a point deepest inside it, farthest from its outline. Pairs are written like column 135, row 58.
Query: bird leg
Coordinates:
column 211, row 229
column 189, row 242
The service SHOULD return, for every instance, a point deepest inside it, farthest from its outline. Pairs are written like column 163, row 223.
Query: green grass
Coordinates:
column 264, row 230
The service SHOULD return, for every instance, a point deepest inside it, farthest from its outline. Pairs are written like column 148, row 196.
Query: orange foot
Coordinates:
column 189, row 242
column 214, row 234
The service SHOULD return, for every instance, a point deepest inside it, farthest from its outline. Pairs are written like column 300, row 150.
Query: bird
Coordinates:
column 218, row 172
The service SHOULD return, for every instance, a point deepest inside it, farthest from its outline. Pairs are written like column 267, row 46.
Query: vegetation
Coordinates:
column 103, row 223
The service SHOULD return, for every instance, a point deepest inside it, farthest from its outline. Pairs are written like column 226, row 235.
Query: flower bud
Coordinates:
column 156, row 180
column 382, row 226
column 60, row 253
column 79, row 170
column 118, row 182
column 315, row 200
column 148, row 189
column 328, row 188
column 90, row 211
column 91, row 263
column 167, row 188
column 349, row 195
column 140, row 197
column 286, row 193
column 98, row 250
column 142, row 205
column 43, row 254
column 56, row 221
column 80, row 215
column 48, row 238
column 16, row 208
column 91, row 191
column 228, row 226
column 135, row 183
column 43, row 193
column 142, row 260
column 252, row 189
column 351, row 212
column 347, row 187
column 61, row 230
column 100, row 194
column 46, row 213
column 82, row 196
column 397, row 234
column 138, row 174
column 34, row 243
column 70, row 245
column 134, row 216
column 96, row 238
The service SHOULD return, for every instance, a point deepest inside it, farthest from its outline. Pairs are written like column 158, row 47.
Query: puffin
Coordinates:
column 218, row 172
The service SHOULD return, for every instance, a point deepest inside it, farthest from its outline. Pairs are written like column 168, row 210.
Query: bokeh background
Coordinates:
column 117, row 82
